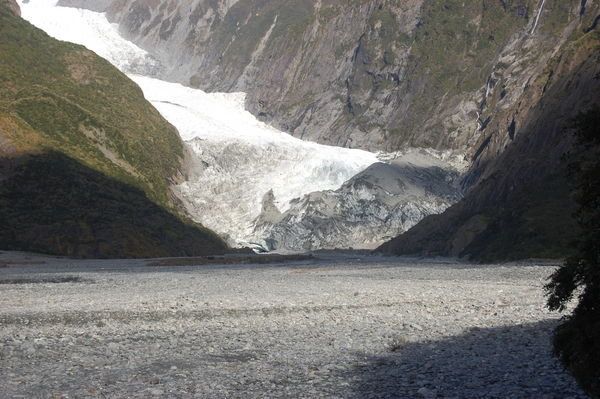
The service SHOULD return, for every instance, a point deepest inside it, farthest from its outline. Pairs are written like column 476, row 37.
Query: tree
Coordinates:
column 577, row 340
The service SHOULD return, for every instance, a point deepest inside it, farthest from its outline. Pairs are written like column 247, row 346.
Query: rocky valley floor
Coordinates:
column 335, row 326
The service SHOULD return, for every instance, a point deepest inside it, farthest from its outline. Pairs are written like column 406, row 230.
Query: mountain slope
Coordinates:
column 495, row 79
column 70, row 118
column 369, row 74
column 522, row 206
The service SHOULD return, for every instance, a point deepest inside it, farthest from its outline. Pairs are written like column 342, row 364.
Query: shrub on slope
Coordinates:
column 86, row 162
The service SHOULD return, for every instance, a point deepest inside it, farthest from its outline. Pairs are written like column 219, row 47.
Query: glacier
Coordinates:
column 239, row 158
column 376, row 205
column 255, row 185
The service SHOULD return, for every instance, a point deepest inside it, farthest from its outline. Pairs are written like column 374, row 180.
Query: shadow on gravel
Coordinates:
column 45, row 280
column 504, row 362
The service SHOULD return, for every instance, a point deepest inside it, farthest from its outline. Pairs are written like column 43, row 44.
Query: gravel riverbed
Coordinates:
column 336, row 326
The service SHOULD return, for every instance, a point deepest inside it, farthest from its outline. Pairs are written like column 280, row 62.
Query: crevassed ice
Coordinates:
column 91, row 30
column 238, row 158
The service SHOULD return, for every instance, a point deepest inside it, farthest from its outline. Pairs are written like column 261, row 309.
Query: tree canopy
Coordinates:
column 577, row 340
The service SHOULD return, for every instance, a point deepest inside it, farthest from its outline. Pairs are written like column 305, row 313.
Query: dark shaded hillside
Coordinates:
column 56, row 205
column 522, row 206
column 86, row 162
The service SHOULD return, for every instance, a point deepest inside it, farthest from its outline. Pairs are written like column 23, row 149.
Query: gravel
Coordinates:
column 338, row 326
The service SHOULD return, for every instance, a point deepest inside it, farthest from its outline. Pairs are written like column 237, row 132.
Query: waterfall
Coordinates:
column 537, row 18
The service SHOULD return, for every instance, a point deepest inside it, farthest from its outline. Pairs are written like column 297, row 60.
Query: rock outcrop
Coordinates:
column 374, row 206
column 13, row 6
column 93, row 5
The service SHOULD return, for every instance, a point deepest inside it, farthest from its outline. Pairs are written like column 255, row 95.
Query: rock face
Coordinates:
column 377, row 204
column 93, row 5
column 369, row 74
column 13, row 6
column 521, row 205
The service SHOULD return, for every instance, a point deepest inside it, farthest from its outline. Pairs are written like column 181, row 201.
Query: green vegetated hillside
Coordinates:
column 86, row 162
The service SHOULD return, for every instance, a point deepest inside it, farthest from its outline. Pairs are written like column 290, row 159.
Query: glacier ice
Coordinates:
column 91, row 30
column 238, row 158
column 376, row 205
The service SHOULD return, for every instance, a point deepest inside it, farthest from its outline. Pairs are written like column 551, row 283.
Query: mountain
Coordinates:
column 368, row 74
column 235, row 159
column 86, row 163
column 498, row 80
column 521, row 206
column 493, row 79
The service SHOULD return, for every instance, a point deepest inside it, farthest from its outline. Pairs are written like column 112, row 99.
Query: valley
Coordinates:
column 419, row 178
column 478, row 96
column 497, row 82
column 336, row 325
column 234, row 161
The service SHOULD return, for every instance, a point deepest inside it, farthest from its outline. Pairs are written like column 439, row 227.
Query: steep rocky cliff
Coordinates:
column 86, row 163
column 372, row 74
column 522, row 205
